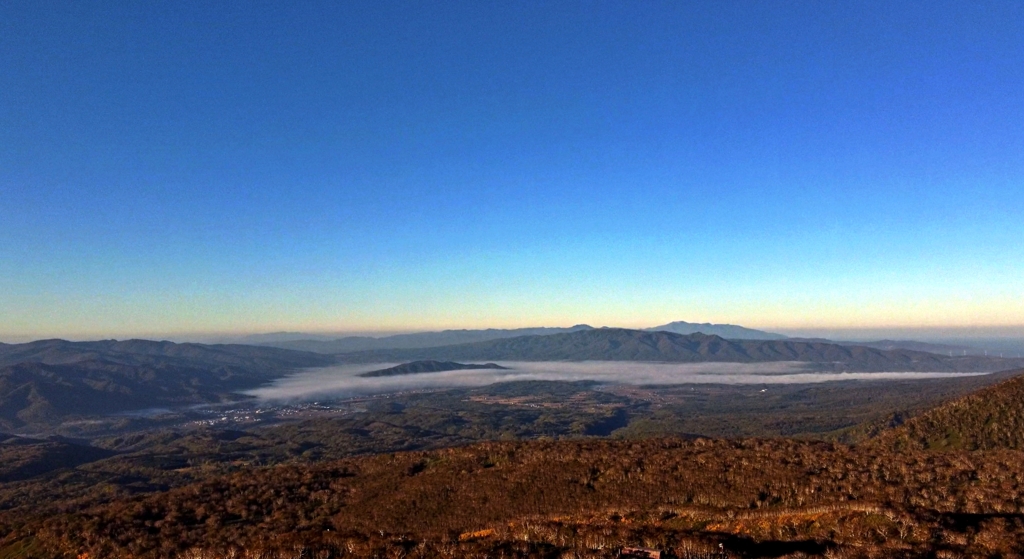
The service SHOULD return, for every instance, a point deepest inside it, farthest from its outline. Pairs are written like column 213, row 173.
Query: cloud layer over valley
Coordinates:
column 344, row 381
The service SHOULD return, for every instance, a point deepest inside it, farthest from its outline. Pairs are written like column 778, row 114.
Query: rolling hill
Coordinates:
column 419, row 367
column 308, row 342
column 51, row 380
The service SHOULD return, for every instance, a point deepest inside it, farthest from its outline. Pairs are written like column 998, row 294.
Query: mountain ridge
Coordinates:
column 320, row 343
column 619, row 344
column 416, row 340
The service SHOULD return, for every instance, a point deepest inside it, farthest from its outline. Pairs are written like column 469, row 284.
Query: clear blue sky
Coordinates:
column 187, row 167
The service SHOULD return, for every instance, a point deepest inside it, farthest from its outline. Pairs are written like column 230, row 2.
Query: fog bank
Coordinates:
column 344, row 382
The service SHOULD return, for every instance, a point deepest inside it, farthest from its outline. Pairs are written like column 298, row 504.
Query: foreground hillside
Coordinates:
column 988, row 419
column 422, row 367
column 757, row 498
column 617, row 344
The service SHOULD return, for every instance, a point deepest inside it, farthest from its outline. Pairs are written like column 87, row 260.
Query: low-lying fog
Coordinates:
column 344, row 382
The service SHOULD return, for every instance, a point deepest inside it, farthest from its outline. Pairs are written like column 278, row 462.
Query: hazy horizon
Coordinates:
column 865, row 333
column 1009, row 338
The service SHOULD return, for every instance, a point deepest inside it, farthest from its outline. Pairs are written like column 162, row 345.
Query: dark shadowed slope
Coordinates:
column 50, row 380
column 615, row 344
column 992, row 418
column 22, row 458
column 36, row 393
column 727, row 331
column 418, row 367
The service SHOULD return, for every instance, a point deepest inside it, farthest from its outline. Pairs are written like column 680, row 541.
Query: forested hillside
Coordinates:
column 757, row 498
column 989, row 419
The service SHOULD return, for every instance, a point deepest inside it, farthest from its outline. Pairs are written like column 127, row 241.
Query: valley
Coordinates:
column 227, row 416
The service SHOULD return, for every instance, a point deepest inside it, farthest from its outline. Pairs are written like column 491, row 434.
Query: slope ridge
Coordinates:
column 992, row 418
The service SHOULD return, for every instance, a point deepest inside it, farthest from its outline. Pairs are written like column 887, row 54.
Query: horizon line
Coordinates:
column 951, row 331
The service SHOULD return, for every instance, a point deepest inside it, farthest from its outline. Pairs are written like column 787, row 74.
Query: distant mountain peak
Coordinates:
column 727, row 331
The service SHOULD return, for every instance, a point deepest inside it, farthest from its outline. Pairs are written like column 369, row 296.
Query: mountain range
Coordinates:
column 415, row 340
column 325, row 344
column 146, row 352
column 52, row 380
column 617, row 344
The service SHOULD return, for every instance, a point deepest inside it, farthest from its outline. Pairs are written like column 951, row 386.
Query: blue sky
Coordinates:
column 199, row 168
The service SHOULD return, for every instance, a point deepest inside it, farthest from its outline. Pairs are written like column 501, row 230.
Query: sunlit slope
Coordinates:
column 992, row 418
column 756, row 498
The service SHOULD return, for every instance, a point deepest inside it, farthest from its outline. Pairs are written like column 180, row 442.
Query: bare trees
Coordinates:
column 583, row 498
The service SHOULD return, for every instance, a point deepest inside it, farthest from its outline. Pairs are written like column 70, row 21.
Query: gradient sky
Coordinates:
column 198, row 167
